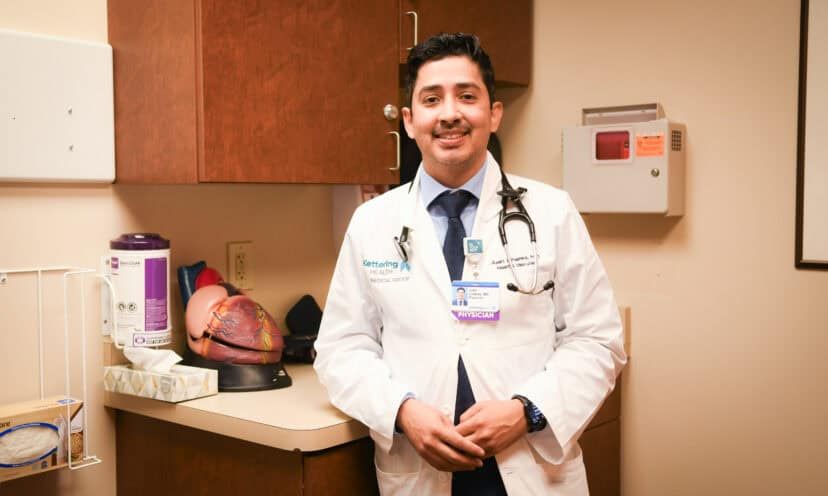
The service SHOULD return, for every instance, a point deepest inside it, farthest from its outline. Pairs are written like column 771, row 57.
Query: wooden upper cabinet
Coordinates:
column 154, row 69
column 503, row 26
column 254, row 91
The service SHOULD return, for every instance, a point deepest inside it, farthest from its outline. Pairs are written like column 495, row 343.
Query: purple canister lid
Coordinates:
column 139, row 241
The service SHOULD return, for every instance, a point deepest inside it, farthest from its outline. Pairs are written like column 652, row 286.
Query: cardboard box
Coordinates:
column 53, row 426
column 181, row 383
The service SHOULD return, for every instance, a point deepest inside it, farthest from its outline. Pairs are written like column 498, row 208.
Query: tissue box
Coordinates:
column 33, row 436
column 180, row 383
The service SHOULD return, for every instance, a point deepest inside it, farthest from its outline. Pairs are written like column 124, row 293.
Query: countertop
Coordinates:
column 298, row 417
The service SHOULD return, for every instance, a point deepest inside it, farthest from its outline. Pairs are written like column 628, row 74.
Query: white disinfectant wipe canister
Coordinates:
column 139, row 267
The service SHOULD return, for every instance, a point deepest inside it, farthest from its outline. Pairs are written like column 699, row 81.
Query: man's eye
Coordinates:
column 430, row 100
column 467, row 96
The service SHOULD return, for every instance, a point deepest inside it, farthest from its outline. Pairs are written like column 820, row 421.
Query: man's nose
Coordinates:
column 450, row 112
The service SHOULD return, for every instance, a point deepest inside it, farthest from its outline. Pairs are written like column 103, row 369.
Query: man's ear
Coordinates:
column 409, row 127
column 497, row 115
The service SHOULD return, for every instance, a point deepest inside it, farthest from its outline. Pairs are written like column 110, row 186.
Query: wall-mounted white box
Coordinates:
column 627, row 159
column 56, row 109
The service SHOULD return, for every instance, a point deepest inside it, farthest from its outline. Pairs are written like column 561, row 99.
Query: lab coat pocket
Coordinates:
column 531, row 350
column 570, row 472
column 397, row 470
column 527, row 313
column 401, row 459
column 396, row 484
column 567, row 478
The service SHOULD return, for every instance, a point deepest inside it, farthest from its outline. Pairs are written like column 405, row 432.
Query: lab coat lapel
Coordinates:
column 425, row 247
column 485, row 222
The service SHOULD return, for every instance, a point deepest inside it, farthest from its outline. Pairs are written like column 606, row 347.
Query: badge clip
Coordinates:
column 473, row 250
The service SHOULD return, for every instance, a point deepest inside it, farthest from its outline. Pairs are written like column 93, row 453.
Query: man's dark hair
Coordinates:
column 448, row 45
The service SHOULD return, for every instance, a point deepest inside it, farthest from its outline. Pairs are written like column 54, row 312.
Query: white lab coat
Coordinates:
column 387, row 331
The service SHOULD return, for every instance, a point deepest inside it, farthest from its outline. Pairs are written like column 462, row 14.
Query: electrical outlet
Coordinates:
column 240, row 264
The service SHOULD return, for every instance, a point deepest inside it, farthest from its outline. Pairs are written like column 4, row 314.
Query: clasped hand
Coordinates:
column 484, row 430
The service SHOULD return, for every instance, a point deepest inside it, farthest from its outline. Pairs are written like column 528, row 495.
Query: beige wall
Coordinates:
column 725, row 393
column 59, row 224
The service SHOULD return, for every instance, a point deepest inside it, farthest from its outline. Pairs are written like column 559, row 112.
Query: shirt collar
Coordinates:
column 430, row 188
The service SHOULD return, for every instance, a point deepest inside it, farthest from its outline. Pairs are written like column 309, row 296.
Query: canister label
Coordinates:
column 155, row 294
column 142, row 281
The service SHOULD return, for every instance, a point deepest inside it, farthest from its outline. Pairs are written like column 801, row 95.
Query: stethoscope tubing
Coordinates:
column 507, row 193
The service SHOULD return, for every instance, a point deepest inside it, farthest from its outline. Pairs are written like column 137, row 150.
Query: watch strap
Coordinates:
column 535, row 420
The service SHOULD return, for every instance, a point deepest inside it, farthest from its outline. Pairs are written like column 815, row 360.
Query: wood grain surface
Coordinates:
column 503, row 26
column 153, row 44
column 158, row 458
column 294, row 91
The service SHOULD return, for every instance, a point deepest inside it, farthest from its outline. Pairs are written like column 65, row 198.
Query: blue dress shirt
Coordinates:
column 431, row 189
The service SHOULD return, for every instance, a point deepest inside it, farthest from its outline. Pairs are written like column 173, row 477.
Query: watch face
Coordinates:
column 536, row 419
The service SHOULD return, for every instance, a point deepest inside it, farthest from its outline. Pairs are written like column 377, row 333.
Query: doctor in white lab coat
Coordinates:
column 389, row 344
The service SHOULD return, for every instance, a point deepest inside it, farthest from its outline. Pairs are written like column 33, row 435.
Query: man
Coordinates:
column 460, row 298
column 477, row 403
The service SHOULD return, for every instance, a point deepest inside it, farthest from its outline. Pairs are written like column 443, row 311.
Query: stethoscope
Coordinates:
column 507, row 194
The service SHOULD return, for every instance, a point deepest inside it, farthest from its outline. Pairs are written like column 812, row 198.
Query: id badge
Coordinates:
column 475, row 300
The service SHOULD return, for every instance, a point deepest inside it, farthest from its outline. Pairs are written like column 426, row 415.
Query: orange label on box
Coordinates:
column 649, row 145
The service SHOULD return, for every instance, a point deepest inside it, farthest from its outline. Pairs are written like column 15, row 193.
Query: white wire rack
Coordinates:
column 68, row 273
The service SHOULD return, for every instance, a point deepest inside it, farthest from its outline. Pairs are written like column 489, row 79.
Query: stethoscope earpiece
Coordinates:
column 546, row 287
column 510, row 193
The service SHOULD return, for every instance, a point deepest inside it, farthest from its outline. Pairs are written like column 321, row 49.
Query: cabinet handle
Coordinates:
column 396, row 135
column 414, row 15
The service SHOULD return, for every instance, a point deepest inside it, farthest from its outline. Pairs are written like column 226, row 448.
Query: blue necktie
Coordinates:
column 453, row 205
column 486, row 480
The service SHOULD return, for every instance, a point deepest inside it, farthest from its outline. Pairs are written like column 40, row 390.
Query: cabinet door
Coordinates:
column 503, row 26
column 154, row 66
column 158, row 458
column 293, row 91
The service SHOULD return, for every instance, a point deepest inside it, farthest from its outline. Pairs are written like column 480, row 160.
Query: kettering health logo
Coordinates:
column 387, row 265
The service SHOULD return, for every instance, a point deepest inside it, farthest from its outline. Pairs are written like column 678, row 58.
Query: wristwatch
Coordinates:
column 535, row 420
